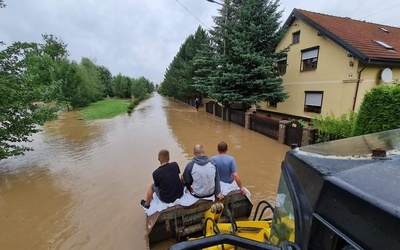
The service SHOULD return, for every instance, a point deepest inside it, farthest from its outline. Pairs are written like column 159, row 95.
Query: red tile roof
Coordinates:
column 355, row 36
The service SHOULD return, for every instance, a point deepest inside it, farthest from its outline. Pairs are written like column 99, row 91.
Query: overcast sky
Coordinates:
column 141, row 37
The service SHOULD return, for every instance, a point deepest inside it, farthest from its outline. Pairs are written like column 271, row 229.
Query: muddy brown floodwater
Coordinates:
column 81, row 186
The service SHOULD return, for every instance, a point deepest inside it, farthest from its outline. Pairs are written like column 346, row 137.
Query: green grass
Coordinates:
column 104, row 109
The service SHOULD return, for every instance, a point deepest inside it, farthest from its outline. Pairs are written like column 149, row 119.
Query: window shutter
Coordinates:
column 309, row 54
column 314, row 99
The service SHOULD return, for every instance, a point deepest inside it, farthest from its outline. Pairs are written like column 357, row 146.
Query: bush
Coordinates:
column 131, row 106
column 134, row 103
column 379, row 111
column 332, row 128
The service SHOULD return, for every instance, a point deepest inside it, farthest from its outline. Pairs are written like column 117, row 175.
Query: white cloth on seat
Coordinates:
column 156, row 205
column 187, row 199
column 226, row 188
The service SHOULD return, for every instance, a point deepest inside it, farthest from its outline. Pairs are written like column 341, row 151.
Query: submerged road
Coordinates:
column 81, row 186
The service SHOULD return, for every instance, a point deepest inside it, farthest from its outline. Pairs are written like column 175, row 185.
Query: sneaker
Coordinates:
column 143, row 202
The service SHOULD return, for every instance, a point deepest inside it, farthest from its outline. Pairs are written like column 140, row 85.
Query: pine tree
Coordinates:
column 178, row 79
column 244, row 59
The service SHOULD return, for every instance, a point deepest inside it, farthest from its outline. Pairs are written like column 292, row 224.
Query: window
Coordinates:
column 309, row 59
column 296, row 37
column 281, row 65
column 284, row 221
column 313, row 101
column 326, row 236
column 272, row 104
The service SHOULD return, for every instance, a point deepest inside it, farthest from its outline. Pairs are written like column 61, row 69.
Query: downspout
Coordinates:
column 357, row 87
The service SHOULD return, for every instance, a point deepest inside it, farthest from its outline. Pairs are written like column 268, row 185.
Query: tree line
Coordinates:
column 38, row 79
column 235, row 61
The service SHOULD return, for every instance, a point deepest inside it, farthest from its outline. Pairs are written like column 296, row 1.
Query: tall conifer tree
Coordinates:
column 178, row 79
column 243, row 61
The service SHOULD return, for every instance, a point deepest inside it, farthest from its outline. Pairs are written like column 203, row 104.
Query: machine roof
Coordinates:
column 349, row 164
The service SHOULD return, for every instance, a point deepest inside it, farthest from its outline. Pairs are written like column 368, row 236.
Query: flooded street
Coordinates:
column 81, row 186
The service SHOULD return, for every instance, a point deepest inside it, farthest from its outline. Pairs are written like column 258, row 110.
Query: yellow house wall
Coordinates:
column 334, row 75
column 371, row 77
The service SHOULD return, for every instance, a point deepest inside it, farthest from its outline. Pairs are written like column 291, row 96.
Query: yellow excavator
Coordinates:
column 260, row 230
column 255, row 230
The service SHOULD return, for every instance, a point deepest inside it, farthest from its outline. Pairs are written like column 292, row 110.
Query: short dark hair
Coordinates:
column 163, row 155
column 222, row 147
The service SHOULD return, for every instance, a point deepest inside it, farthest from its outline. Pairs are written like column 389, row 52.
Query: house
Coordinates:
column 331, row 63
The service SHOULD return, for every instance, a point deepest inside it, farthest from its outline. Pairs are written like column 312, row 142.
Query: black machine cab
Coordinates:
column 340, row 195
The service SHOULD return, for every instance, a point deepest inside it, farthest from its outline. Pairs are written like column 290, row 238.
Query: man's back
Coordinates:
column 226, row 166
column 167, row 179
column 200, row 176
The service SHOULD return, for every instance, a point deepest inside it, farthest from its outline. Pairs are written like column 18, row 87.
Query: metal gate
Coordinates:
column 237, row 116
column 264, row 126
column 294, row 133
column 218, row 110
column 210, row 107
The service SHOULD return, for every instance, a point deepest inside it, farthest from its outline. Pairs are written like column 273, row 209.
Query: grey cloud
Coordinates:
column 141, row 37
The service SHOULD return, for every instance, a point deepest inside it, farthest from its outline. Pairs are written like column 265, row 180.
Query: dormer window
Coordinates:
column 296, row 37
column 383, row 44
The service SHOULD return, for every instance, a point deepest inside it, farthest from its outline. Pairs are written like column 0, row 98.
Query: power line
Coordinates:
column 381, row 11
column 192, row 14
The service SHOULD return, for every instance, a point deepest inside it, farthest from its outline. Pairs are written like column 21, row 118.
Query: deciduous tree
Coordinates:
column 91, row 87
column 141, row 87
column 106, row 81
column 121, row 87
column 20, row 111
